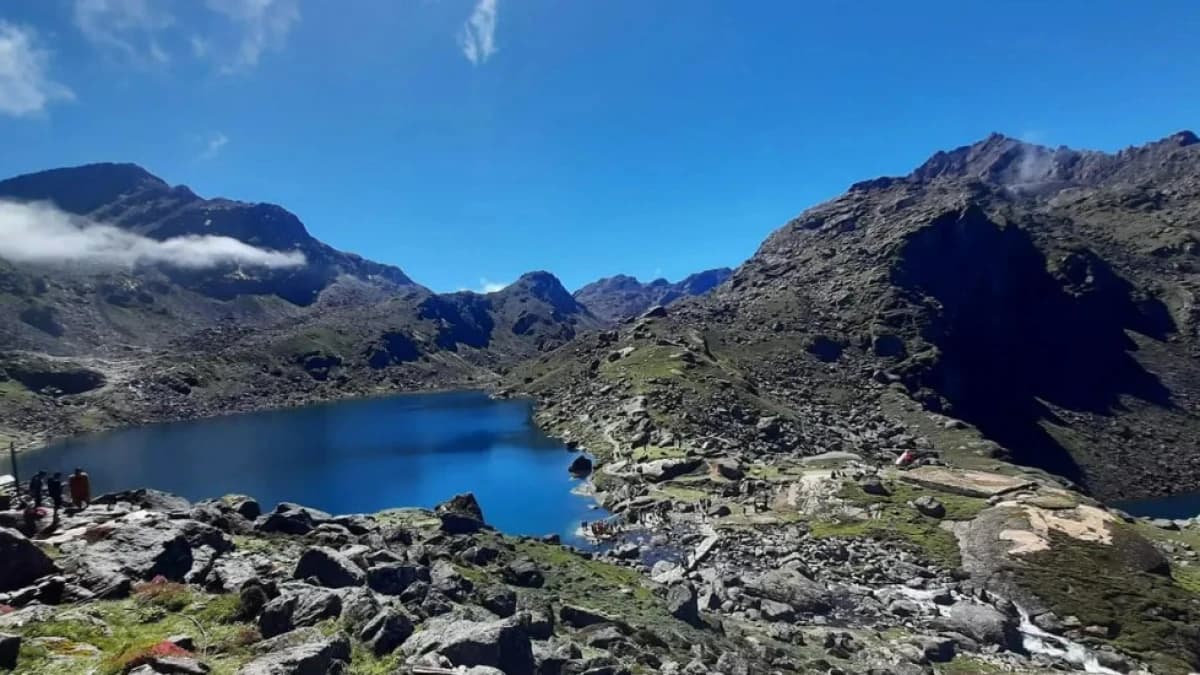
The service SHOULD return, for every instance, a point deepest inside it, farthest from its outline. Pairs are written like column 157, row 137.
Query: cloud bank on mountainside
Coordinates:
column 41, row 233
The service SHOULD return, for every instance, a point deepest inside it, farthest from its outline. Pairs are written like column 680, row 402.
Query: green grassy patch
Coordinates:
column 900, row 494
column 317, row 339
column 364, row 662
column 1151, row 615
column 898, row 520
column 645, row 362
column 1187, row 578
column 170, row 596
column 124, row 629
column 11, row 390
column 781, row 472
column 410, row 518
column 594, row 584
column 653, row 452
column 681, row 493
column 969, row 665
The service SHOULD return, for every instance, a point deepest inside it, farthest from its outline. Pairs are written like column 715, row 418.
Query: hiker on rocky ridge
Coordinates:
column 81, row 488
column 54, row 490
column 36, row 485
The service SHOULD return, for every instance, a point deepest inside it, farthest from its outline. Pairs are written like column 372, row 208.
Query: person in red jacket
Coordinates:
column 81, row 488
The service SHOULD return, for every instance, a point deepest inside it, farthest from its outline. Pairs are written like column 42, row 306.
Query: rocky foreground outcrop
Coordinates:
column 829, row 567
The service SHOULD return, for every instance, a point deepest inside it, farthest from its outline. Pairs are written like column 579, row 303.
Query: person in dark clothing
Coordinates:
column 54, row 489
column 35, row 487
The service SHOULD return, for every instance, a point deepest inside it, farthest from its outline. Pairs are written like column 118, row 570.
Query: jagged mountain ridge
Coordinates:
column 133, row 199
column 620, row 297
column 1055, row 311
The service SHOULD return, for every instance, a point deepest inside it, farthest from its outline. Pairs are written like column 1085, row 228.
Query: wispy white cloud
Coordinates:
column 477, row 37
column 199, row 46
column 40, row 233
column 263, row 25
column 127, row 29
column 213, row 145
column 25, row 88
column 488, row 286
column 146, row 32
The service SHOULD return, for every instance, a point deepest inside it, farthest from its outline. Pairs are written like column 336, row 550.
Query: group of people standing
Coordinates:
column 51, row 486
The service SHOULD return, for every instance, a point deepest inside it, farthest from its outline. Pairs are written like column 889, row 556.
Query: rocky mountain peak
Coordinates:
column 545, row 287
column 1179, row 139
column 619, row 297
column 83, row 189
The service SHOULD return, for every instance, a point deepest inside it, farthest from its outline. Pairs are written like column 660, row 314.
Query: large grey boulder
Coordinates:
column 581, row 466
column 682, row 603
column 983, row 623
column 582, row 617
column 276, row 617
column 311, row 658
column 314, row 605
column 246, row 507
column 359, row 606
column 499, row 600
column 298, row 605
column 151, row 500
column 791, row 587
column 444, row 577
column 330, row 568
column 502, row 644
column 394, row 578
column 228, row 574
column 524, row 572
column 138, row 550
column 461, row 514
column 387, row 631
column 21, row 561
column 289, row 518
column 666, row 469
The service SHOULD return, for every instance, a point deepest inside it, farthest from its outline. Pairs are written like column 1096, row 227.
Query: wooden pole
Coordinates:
column 12, row 458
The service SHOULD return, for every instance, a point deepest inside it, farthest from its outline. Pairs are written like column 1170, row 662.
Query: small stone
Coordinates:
column 936, row 649
column 178, row 665
column 873, row 485
column 930, row 506
column 777, row 611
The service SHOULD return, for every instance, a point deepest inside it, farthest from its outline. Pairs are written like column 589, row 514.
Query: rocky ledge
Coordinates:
column 849, row 570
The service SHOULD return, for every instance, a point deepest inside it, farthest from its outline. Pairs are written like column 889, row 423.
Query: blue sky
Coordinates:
column 468, row 141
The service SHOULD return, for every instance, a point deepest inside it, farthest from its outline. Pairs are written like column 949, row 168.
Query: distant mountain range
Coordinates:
column 192, row 329
column 620, row 297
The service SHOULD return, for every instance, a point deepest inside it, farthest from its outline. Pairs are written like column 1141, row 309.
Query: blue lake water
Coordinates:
column 1180, row 506
column 355, row 456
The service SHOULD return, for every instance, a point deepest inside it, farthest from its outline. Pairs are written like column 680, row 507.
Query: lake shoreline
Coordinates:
column 350, row 456
column 45, row 439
